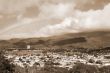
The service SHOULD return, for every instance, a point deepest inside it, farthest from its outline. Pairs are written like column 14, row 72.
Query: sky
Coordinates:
column 43, row 18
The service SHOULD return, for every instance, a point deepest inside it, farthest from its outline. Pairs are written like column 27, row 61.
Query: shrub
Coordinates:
column 5, row 64
column 98, row 62
column 105, row 69
column 82, row 68
column 91, row 61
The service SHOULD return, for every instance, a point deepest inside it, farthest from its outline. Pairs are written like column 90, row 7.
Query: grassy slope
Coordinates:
column 86, row 40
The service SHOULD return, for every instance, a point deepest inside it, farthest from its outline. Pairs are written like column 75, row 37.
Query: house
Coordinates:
column 107, row 56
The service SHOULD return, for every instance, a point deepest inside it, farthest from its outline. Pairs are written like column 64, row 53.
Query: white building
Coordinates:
column 28, row 46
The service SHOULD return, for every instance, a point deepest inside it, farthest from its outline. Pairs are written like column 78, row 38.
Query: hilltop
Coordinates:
column 96, row 39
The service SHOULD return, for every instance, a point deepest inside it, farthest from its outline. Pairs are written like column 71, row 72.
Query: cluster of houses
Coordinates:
column 58, row 60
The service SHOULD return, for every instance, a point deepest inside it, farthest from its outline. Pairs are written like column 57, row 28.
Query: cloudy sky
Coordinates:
column 42, row 18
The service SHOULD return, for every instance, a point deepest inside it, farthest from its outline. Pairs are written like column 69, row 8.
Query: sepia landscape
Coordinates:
column 54, row 36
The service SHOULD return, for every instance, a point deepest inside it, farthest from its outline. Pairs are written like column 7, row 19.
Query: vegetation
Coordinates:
column 78, row 68
column 83, row 68
column 71, row 41
column 20, row 44
column 5, row 64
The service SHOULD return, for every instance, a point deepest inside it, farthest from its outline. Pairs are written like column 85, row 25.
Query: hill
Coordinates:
column 91, row 40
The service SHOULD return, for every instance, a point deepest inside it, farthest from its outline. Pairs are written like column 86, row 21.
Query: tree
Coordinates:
column 5, row 64
column 20, row 44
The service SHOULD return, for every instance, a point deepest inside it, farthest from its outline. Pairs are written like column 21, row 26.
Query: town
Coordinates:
column 31, row 57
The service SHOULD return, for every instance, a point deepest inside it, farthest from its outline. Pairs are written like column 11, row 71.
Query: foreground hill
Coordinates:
column 99, row 39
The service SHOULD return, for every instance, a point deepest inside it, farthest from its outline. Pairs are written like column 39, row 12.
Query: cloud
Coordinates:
column 80, row 22
column 86, row 5
column 63, row 27
column 53, row 17
column 16, row 5
column 95, row 19
column 56, row 10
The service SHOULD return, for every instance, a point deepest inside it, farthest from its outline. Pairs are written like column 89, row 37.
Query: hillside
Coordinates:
column 99, row 39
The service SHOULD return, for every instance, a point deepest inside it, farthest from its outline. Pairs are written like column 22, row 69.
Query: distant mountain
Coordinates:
column 96, row 39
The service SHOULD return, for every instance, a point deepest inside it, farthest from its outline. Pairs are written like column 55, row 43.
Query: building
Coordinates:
column 28, row 46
